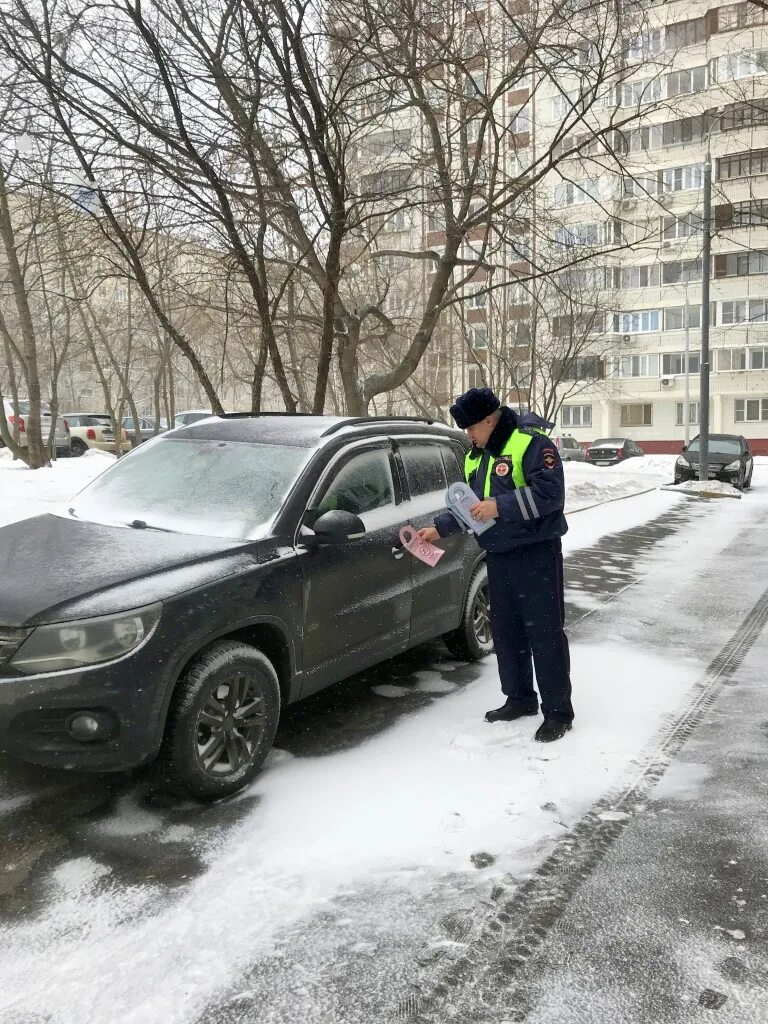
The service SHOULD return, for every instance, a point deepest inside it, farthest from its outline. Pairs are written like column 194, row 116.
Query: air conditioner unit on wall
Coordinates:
column 667, row 382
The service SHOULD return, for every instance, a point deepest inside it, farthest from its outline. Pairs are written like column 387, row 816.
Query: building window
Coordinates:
column 758, row 358
column 681, row 271
column 636, row 415
column 645, row 44
column 679, row 83
column 572, row 193
column 640, row 321
column 750, row 410
column 675, row 317
column 686, row 129
column 744, row 311
column 578, row 368
column 731, row 359
column 743, row 165
column 734, row 66
column 475, row 377
column 576, row 416
column 741, row 264
column 478, row 337
column 674, row 362
column 639, row 277
column 644, row 185
column 693, row 413
column 121, row 293
column 679, row 179
column 681, row 225
column 686, row 33
column 477, row 296
column 521, row 122
column 635, row 94
column 646, row 365
column 744, row 115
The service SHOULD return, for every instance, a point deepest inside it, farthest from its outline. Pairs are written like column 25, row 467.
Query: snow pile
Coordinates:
column 33, row 492
column 589, row 485
column 705, row 489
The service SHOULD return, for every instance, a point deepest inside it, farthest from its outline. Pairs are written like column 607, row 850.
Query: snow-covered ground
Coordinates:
column 405, row 810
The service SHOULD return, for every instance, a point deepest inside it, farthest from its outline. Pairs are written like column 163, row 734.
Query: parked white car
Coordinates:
column 569, row 448
column 183, row 419
column 94, row 430
column 62, row 437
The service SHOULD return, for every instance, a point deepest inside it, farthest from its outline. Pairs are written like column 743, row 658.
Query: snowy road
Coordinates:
column 359, row 876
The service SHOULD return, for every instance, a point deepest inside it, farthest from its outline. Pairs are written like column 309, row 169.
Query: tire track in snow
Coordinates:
column 522, row 918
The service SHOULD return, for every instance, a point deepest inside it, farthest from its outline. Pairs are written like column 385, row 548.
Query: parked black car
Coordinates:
column 729, row 460
column 609, row 451
column 217, row 574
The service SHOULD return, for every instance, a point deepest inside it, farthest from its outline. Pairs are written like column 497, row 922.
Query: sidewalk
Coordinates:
column 673, row 925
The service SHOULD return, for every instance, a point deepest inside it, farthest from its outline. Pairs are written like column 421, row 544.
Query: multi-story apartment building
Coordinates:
column 695, row 79
column 715, row 93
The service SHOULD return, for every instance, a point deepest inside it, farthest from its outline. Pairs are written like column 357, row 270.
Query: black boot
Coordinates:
column 508, row 713
column 550, row 730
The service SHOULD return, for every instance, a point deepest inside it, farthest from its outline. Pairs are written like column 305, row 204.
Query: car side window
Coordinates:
column 454, row 471
column 361, row 485
column 424, row 469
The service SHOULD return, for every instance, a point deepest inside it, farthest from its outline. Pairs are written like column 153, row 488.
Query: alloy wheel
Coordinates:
column 481, row 615
column 230, row 725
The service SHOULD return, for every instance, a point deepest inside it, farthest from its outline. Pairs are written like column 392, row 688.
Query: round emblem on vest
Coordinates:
column 502, row 468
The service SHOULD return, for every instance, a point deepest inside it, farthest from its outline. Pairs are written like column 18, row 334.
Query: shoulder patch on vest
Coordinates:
column 502, row 467
column 549, row 458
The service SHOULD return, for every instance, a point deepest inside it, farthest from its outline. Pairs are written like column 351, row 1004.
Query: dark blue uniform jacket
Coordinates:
column 529, row 515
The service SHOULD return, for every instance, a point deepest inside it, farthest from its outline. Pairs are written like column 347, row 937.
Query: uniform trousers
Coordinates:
column 527, row 622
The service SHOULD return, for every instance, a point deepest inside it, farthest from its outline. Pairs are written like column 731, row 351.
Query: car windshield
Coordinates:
column 210, row 488
column 718, row 446
column 618, row 441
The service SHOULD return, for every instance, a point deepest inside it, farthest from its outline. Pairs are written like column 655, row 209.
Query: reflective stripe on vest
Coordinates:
column 514, row 449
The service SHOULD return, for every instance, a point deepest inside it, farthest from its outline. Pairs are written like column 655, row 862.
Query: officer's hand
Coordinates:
column 428, row 533
column 485, row 510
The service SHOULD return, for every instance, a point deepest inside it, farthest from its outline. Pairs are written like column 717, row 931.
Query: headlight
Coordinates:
column 681, row 461
column 65, row 645
column 733, row 467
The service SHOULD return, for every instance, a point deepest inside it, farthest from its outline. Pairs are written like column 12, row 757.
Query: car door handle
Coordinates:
column 398, row 550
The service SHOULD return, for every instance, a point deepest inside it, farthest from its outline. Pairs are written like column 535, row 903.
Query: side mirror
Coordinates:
column 684, row 448
column 335, row 527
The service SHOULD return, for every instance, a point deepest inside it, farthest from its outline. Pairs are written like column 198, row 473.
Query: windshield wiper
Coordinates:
column 140, row 524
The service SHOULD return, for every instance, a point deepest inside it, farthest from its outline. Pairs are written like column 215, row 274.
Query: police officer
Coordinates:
column 516, row 473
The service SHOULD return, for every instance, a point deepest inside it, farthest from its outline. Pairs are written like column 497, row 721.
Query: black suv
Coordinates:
column 217, row 573
column 730, row 460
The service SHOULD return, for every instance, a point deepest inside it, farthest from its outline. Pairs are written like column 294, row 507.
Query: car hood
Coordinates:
column 53, row 569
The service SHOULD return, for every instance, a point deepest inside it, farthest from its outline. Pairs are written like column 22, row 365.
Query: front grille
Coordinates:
column 10, row 641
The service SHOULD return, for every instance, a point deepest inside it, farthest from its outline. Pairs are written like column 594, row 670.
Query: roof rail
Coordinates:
column 256, row 415
column 353, row 420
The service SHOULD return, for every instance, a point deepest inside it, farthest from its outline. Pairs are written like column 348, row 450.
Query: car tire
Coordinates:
column 741, row 482
column 221, row 685
column 748, row 482
column 472, row 639
column 78, row 447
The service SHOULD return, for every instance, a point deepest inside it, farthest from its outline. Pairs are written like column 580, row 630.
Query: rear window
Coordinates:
column 98, row 421
column 617, row 441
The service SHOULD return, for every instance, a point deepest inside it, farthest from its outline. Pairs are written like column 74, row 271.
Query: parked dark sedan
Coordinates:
column 609, row 451
column 217, row 574
column 730, row 460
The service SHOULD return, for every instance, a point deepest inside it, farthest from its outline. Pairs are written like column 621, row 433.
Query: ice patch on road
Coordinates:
column 389, row 690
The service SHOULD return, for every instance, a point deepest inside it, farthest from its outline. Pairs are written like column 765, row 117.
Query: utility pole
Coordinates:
column 687, row 405
column 705, row 278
